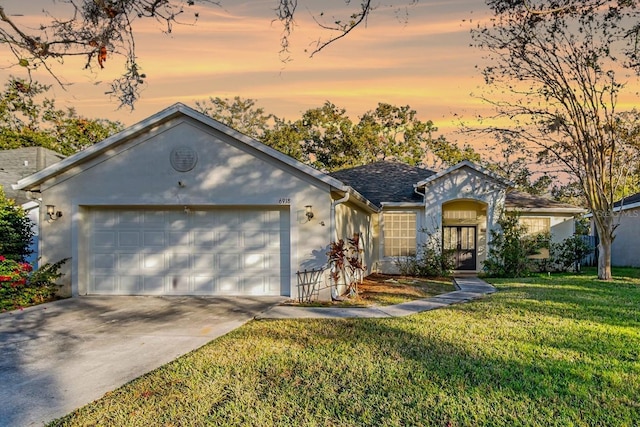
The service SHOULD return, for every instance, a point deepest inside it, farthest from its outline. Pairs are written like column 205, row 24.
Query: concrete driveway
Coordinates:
column 59, row 356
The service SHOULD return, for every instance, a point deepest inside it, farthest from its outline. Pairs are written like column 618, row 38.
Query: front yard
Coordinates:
column 547, row 351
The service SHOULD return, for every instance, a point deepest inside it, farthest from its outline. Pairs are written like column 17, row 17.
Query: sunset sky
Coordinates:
column 420, row 56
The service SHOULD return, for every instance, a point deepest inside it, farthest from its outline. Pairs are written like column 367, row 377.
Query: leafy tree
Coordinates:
column 29, row 120
column 98, row 29
column 393, row 132
column 240, row 114
column 287, row 137
column 512, row 159
column 16, row 232
column 326, row 138
column 559, row 66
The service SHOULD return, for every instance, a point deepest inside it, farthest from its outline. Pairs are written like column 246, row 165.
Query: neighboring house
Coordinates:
column 625, row 250
column 181, row 204
column 16, row 164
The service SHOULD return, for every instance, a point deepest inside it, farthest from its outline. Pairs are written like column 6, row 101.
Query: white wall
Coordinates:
column 625, row 251
column 138, row 172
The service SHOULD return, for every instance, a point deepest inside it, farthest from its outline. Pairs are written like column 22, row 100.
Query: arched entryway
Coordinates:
column 464, row 227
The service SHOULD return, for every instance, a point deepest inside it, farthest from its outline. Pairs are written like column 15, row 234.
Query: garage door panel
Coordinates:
column 103, row 261
column 104, row 283
column 205, row 284
column 203, row 261
column 179, row 238
column 227, row 239
column 153, row 285
column 104, row 239
column 229, row 285
column 153, row 262
column 182, row 261
column 129, row 284
column 229, row 262
column 153, row 239
column 205, row 252
column 204, row 239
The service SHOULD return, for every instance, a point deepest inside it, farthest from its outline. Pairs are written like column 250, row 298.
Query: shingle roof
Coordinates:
column 634, row 198
column 384, row 181
column 390, row 181
column 520, row 200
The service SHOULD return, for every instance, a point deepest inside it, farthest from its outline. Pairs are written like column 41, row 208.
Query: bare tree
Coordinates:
column 556, row 69
column 98, row 29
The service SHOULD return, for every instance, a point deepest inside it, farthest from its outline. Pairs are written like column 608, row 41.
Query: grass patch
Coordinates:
column 543, row 351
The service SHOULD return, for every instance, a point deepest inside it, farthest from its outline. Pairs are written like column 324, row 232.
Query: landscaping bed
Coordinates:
column 385, row 289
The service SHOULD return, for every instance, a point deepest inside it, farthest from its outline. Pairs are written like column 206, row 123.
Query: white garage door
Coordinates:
column 200, row 252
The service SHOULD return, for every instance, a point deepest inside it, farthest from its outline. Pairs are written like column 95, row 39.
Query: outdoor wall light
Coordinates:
column 52, row 213
column 309, row 212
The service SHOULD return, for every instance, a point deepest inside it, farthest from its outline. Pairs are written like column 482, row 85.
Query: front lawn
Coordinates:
column 543, row 351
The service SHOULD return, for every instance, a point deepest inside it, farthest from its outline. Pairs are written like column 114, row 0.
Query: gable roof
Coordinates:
column 177, row 110
column 385, row 181
column 470, row 165
column 525, row 202
column 18, row 163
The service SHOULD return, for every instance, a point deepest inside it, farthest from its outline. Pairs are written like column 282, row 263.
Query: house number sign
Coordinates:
column 183, row 159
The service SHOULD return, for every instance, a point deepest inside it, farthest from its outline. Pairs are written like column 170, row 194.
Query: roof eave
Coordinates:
column 546, row 210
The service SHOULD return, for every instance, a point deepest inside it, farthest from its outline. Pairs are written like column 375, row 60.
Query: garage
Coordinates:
column 189, row 251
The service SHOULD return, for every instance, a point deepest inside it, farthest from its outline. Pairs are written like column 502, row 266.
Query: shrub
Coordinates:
column 510, row 249
column 16, row 231
column 20, row 286
column 567, row 255
column 346, row 260
column 430, row 260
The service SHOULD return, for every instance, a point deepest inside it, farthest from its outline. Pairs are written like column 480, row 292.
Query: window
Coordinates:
column 536, row 226
column 399, row 234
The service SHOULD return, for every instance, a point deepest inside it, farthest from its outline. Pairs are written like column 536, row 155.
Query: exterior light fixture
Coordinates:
column 309, row 212
column 53, row 213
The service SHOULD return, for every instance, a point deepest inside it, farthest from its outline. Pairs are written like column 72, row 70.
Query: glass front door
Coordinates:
column 461, row 240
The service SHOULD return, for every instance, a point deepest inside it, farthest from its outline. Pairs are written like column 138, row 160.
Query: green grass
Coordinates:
column 543, row 351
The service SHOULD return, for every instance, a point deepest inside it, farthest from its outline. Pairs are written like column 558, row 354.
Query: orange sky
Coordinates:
column 425, row 62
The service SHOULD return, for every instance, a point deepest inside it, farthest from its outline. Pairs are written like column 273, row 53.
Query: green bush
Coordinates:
column 20, row 286
column 567, row 255
column 430, row 260
column 16, row 232
column 510, row 249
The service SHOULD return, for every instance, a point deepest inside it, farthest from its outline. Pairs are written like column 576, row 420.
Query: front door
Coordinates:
column 461, row 240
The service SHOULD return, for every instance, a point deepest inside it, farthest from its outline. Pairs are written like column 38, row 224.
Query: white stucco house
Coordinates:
column 180, row 204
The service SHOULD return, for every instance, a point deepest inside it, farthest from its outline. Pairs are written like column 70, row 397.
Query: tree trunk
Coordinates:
column 604, row 258
column 604, row 228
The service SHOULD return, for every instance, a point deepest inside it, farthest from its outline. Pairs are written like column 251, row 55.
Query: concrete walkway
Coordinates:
column 468, row 289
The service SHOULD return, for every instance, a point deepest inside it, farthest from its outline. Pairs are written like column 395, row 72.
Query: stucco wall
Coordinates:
column 625, row 251
column 470, row 185
column 138, row 172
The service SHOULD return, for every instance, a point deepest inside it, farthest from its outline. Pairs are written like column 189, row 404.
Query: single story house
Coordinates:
column 16, row 164
column 182, row 204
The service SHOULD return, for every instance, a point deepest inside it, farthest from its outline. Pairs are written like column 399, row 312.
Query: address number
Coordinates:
column 284, row 201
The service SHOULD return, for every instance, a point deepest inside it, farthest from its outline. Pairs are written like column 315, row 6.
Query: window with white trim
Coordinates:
column 399, row 234
column 536, row 226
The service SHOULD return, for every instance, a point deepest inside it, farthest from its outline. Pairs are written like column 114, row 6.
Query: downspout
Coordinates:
column 424, row 210
column 334, row 229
